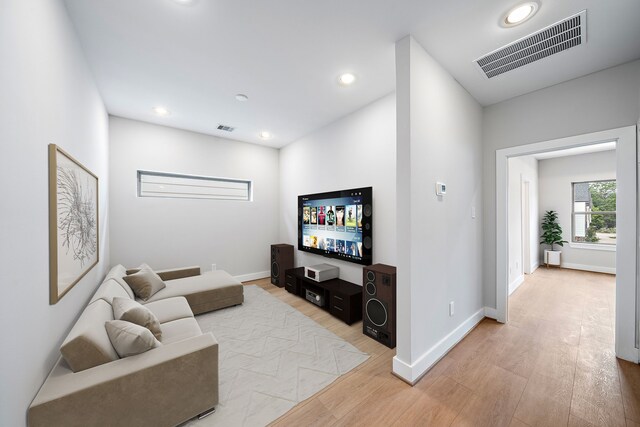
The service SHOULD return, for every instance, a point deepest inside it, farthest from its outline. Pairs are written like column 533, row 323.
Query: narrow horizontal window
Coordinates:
column 171, row 185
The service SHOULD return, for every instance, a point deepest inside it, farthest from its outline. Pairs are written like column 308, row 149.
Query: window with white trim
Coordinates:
column 172, row 185
column 594, row 212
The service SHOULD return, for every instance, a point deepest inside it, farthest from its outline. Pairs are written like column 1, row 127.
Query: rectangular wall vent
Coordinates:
column 226, row 128
column 562, row 35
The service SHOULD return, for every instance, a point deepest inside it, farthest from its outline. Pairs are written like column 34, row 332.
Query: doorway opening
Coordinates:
column 519, row 189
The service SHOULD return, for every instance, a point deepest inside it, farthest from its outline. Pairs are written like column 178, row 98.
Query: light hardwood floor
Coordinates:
column 552, row 365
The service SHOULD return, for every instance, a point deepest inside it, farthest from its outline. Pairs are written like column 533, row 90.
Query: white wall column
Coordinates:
column 438, row 237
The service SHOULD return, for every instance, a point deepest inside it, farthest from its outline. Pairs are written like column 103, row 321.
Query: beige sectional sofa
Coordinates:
column 204, row 292
column 91, row 386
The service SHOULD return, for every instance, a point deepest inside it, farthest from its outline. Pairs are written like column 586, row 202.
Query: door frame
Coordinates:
column 525, row 224
column 627, row 241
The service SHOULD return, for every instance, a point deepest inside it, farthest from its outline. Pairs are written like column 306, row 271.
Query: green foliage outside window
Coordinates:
column 603, row 199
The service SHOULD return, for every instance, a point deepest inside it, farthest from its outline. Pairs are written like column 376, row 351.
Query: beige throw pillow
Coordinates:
column 132, row 311
column 130, row 339
column 140, row 267
column 144, row 283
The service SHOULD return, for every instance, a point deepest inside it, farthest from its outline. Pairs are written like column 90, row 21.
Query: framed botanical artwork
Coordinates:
column 73, row 222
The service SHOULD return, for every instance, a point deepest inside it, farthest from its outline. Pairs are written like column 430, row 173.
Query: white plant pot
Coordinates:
column 552, row 257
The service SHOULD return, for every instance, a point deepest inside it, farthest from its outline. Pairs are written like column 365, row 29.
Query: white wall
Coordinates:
column 356, row 151
column 47, row 96
column 604, row 100
column 556, row 177
column 439, row 243
column 165, row 232
column 522, row 169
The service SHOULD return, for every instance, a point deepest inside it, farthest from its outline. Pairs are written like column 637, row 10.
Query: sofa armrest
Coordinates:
column 179, row 273
column 173, row 273
column 164, row 386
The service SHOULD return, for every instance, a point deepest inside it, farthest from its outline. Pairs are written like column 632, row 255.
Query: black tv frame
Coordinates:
column 367, row 224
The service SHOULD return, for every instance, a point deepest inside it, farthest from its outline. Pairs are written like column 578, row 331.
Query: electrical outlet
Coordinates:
column 213, row 267
column 451, row 311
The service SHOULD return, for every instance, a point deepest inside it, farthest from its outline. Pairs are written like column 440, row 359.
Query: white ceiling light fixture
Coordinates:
column 161, row 111
column 346, row 79
column 265, row 135
column 185, row 2
column 242, row 97
column 519, row 14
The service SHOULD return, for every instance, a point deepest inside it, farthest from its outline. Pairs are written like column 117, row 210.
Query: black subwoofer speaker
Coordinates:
column 281, row 260
column 379, row 303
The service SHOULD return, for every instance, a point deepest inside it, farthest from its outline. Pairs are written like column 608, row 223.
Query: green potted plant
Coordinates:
column 551, row 235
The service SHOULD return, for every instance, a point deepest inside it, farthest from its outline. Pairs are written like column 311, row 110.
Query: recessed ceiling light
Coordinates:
column 242, row 97
column 184, row 2
column 265, row 135
column 346, row 79
column 161, row 111
column 520, row 14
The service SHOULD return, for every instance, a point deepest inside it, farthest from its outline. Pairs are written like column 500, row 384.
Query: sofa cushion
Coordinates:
column 108, row 290
column 209, row 291
column 88, row 344
column 130, row 339
column 131, row 311
column 145, row 283
column 179, row 330
column 170, row 309
column 117, row 273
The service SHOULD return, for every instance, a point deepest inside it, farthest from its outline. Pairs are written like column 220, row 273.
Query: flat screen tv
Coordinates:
column 337, row 224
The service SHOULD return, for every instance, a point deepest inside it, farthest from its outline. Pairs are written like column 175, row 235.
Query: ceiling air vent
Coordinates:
column 226, row 128
column 562, row 35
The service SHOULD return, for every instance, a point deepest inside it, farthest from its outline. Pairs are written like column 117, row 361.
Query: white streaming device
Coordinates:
column 321, row 272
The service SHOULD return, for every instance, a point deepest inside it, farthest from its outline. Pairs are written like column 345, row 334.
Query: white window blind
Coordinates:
column 161, row 184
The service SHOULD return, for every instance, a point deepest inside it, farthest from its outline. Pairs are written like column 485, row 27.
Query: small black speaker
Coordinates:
column 367, row 242
column 281, row 261
column 379, row 303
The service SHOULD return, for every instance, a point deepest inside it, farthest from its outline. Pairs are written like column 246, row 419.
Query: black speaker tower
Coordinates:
column 379, row 303
column 281, row 260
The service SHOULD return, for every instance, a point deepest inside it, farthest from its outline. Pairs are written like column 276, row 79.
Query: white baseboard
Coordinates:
column 412, row 373
column 491, row 313
column 402, row 369
column 516, row 283
column 253, row 276
column 594, row 268
column 535, row 266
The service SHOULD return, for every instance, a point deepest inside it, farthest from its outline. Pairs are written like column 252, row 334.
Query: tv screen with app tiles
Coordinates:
column 337, row 224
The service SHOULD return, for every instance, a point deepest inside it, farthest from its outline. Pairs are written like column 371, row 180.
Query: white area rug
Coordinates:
column 271, row 358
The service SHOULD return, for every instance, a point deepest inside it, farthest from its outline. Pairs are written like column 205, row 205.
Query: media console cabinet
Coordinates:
column 340, row 298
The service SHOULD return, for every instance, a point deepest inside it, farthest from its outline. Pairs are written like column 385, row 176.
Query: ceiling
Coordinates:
column 575, row 151
column 286, row 55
